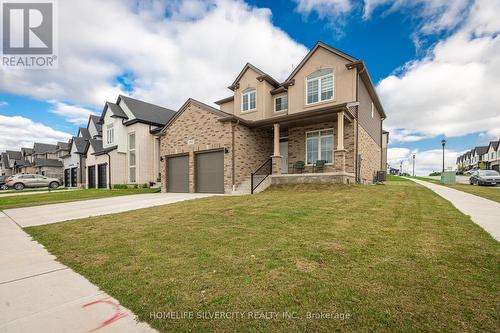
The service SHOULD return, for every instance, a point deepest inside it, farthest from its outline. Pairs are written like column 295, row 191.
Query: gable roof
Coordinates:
column 311, row 52
column 27, row 151
column 481, row 150
column 85, row 133
column 146, row 112
column 96, row 145
column 5, row 160
column 494, row 145
column 97, row 122
column 81, row 145
column 42, row 148
column 115, row 110
column 63, row 145
column 199, row 104
column 262, row 76
column 14, row 155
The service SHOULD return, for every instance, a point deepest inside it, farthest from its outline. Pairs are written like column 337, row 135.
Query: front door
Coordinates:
column 74, row 177
column 91, row 175
column 102, row 176
column 284, row 156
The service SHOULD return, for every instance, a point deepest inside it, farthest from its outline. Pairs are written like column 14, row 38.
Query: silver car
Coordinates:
column 19, row 182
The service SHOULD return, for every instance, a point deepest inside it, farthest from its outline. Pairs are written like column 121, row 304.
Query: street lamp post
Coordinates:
column 413, row 165
column 443, row 143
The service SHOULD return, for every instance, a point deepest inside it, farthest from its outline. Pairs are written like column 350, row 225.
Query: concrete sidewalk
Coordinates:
column 484, row 212
column 10, row 194
column 38, row 215
column 38, row 294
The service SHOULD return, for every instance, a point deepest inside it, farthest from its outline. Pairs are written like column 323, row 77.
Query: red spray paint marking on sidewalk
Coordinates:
column 118, row 314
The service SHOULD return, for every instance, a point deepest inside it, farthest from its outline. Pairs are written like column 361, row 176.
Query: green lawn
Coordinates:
column 393, row 257
column 17, row 201
column 488, row 192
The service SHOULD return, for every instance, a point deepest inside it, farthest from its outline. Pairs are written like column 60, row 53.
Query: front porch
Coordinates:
column 311, row 149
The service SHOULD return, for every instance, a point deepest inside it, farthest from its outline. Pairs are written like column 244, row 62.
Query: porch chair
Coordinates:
column 319, row 166
column 298, row 166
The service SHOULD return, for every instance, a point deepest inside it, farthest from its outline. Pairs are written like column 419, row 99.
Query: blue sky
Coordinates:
column 411, row 49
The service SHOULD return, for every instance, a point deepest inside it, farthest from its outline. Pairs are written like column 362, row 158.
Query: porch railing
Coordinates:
column 261, row 174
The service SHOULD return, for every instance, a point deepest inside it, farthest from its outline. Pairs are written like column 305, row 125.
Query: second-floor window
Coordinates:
column 319, row 86
column 110, row 134
column 248, row 100
column 131, row 157
column 281, row 103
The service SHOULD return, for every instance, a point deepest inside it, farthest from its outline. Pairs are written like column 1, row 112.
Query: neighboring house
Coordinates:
column 75, row 174
column 129, row 151
column 15, row 159
column 326, row 110
column 481, row 156
column 43, row 159
column 493, row 155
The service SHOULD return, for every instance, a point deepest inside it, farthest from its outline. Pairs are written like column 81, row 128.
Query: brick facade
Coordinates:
column 342, row 160
column 197, row 130
column 371, row 156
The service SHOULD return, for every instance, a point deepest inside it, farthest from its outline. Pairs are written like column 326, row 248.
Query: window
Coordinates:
column 248, row 100
column 281, row 103
column 131, row 157
column 319, row 86
column 110, row 134
column 319, row 146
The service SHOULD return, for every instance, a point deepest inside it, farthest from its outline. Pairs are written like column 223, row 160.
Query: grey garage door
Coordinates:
column 178, row 174
column 210, row 172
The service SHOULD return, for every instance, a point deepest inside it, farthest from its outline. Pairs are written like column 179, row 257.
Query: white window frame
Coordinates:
column 110, row 134
column 276, row 98
column 373, row 110
column 249, row 92
column 332, row 74
column 130, row 150
column 319, row 144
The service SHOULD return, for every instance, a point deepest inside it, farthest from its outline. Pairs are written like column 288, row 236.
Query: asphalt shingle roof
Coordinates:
column 96, row 145
column 116, row 110
column 84, row 132
column 63, row 145
column 42, row 148
column 481, row 150
column 81, row 144
column 14, row 155
column 148, row 112
column 47, row 162
column 96, row 120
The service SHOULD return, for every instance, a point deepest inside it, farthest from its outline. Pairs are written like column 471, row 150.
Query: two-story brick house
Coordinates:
column 322, row 124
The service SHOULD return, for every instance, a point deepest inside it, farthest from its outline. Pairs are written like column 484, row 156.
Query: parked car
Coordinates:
column 484, row 177
column 2, row 183
column 19, row 182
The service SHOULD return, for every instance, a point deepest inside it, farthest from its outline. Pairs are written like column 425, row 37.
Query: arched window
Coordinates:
column 248, row 99
column 319, row 86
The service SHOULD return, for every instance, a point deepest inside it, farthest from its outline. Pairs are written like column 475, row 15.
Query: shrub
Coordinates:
column 145, row 185
column 120, row 186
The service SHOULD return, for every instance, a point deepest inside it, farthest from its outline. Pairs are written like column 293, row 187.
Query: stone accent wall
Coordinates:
column 297, row 146
column 370, row 153
column 197, row 130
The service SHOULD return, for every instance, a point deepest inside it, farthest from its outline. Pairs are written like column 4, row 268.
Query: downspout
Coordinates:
column 109, row 170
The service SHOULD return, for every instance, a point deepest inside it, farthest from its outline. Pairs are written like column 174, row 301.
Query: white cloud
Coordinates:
column 332, row 10
column 195, row 51
column 425, row 161
column 453, row 91
column 438, row 15
column 3, row 103
column 17, row 132
column 76, row 115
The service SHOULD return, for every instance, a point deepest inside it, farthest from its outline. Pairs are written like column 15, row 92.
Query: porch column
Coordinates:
column 340, row 130
column 340, row 152
column 276, row 158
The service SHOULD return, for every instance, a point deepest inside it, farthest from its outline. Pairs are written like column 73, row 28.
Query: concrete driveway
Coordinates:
column 482, row 211
column 460, row 179
column 38, row 215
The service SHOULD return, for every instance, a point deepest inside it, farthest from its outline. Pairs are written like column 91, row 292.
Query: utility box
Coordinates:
column 448, row 178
